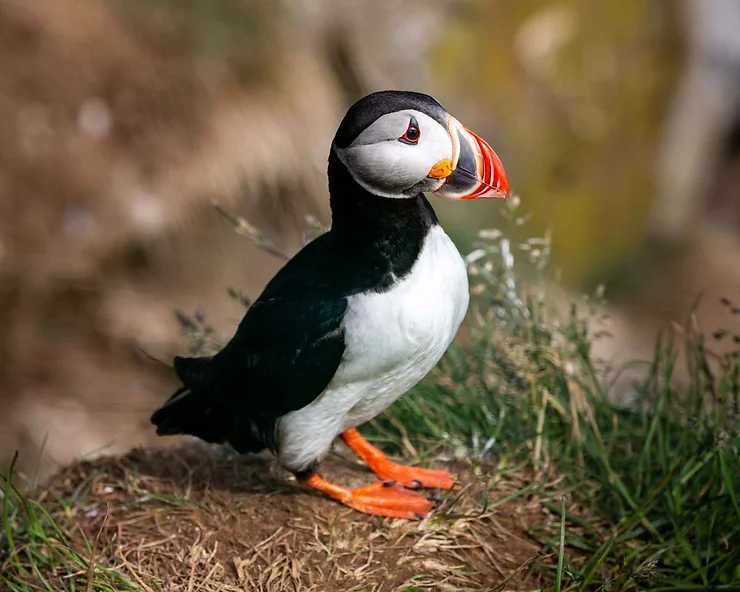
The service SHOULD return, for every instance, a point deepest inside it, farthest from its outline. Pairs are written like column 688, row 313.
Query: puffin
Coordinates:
column 358, row 316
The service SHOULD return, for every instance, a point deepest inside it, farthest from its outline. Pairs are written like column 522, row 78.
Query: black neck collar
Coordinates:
column 375, row 240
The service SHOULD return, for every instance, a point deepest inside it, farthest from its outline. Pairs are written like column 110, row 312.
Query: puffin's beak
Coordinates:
column 475, row 171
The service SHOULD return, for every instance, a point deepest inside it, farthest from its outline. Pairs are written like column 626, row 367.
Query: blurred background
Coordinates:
column 121, row 121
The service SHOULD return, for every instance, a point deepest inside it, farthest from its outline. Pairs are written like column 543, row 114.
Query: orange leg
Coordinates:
column 379, row 498
column 413, row 477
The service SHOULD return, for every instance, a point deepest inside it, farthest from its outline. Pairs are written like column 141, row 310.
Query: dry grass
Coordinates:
column 187, row 520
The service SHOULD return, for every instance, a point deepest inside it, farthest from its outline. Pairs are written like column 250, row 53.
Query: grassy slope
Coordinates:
column 648, row 498
column 637, row 499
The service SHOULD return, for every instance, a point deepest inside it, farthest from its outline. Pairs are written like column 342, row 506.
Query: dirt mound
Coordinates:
column 186, row 520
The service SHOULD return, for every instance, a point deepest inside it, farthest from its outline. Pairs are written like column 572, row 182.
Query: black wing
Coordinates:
column 285, row 352
column 283, row 355
column 290, row 343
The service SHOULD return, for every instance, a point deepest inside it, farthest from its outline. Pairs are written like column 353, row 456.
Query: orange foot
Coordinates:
column 379, row 498
column 412, row 477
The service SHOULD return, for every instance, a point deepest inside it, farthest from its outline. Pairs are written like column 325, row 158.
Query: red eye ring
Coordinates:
column 412, row 133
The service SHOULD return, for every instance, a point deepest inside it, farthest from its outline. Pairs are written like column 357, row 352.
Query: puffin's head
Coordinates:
column 398, row 144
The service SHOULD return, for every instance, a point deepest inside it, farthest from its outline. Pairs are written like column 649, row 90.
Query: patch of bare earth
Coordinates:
column 186, row 519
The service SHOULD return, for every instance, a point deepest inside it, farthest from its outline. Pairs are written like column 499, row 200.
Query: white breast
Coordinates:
column 393, row 339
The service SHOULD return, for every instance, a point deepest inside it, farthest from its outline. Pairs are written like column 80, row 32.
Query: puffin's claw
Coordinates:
column 411, row 477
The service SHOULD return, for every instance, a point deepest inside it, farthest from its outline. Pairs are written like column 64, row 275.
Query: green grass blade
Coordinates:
column 561, row 549
column 729, row 483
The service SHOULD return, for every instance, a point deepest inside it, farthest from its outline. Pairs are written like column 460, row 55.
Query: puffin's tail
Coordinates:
column 188, row 411
column 198, row 409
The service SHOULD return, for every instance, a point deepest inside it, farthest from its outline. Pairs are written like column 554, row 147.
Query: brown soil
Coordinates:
column 187, row 519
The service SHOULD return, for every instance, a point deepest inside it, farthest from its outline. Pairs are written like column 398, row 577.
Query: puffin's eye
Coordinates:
column 412, row 133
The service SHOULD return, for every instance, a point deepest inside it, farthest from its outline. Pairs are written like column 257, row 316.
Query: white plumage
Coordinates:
column 393, row 339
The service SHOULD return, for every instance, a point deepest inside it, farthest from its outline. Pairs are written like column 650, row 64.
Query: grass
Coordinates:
column 37, row 552
column 649, row 494
column 640, row 498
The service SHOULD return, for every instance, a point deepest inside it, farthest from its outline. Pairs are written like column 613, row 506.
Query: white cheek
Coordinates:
column 388, row 165
column 394, row 166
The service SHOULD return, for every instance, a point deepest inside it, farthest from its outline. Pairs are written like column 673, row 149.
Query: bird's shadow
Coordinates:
column 199, row 467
